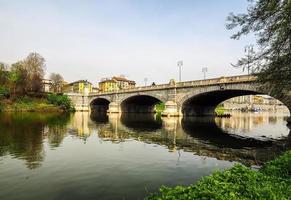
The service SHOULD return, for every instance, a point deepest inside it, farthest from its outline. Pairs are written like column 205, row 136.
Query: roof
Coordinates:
column 118, row 78
column 108, row 80
column 79, row 81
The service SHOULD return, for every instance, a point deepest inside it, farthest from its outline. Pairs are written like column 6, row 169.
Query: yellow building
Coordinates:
column 108, row 85
column 123, row 83
column 115, row 83
column 81, row 86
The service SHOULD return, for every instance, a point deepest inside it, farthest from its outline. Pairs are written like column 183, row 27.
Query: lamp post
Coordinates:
column 145, row 81
column 180, row 64
column 249, row 50
column 204, row 70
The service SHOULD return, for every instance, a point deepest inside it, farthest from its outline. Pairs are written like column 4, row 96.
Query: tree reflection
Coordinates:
column 22, row 135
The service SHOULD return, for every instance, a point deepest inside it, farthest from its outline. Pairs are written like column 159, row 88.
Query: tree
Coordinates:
column 57, row 81
column 3, row 73
column 13, row 78
column 34, row 65
column 270, row 22
column 22, row 83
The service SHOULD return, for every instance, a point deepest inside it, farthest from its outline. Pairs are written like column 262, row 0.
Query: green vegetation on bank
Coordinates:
column 22, row 89
column 220, row 110
column 272, row 181
column 160, row 107
column 61, row 100
column 51, row 103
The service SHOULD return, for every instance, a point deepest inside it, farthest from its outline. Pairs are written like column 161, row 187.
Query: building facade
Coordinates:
column 46, row 85
column 108, row 85
column 81, row 86
column 115, row 83
column 123, row 83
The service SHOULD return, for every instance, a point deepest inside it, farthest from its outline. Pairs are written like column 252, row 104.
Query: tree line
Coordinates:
column 26, row 77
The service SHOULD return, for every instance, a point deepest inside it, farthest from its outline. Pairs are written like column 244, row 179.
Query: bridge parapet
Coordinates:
column 197, row 83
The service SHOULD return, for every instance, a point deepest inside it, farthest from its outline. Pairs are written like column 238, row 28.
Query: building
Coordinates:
column 123, row 83
column 262, row 102
column 81, row 86
column 108, row 85
column 46, row 85
column 115, row 83
column 95, row 89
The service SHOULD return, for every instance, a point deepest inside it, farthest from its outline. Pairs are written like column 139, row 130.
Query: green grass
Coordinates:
column 220, row 110
column 272, row 181
column 28, row 104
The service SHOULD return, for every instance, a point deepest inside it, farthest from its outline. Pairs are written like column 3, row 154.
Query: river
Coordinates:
column 99, row 156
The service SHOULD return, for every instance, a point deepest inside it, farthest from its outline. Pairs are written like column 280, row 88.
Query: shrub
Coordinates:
column 280, row 167
column 60, row 100
column 4, row 91
column 239, row 182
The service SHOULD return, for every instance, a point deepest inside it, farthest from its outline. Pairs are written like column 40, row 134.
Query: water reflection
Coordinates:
column 23, row 135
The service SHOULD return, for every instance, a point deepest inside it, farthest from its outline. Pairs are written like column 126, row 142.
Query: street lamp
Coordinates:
column 204, row 70
column 180, row 64
column 145, row 81
column 249, row 50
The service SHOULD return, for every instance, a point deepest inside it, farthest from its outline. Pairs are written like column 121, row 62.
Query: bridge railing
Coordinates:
column 214, row 81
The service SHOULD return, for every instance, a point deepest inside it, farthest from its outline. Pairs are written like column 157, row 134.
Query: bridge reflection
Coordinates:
column 24, row 135
column 201, row 136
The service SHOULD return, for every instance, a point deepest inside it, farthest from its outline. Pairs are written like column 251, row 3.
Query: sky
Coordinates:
column 137, row 38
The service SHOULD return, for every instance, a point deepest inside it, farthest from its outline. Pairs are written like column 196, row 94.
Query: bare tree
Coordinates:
column 34, row 65
column 57, row 81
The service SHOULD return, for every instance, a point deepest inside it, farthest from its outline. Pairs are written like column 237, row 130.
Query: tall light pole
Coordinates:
column 204, row 70
column 145, row 81
column 180, row 64
column 249, row 50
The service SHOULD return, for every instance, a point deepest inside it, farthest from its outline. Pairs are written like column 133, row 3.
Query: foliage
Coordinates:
column 220, row 110
column 60, row 100
column 270, row 21
column 273, row 181
column 28, row 74
column 160, row 107
column 57, row 81
column 4, row 91
column 280, row 167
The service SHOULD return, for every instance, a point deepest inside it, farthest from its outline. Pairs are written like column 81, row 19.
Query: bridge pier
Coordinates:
column 171, row 109
column 113, row 108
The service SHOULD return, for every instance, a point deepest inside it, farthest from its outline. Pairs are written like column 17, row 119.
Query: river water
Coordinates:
column 99, row 156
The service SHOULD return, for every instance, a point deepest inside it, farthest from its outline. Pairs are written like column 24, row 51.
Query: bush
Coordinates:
column 280, row 167
column 239, row 182
column 4, row 91
column 60, row 100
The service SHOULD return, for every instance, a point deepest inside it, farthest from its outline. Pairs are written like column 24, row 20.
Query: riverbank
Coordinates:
column 28, row 105
column 52, row 103
column 272, row 181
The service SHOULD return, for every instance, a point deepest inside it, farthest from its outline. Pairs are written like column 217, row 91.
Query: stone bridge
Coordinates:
column 198, row 97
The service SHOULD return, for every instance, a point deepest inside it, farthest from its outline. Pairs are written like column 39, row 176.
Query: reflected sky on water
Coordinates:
column 99, row 156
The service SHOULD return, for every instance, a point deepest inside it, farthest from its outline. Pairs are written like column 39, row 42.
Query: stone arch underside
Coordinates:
column 139, row 104
column 204, row 104
column 99, row 105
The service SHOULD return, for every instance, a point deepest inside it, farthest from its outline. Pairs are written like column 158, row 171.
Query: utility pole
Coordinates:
column 204, row 70
column 180, row 64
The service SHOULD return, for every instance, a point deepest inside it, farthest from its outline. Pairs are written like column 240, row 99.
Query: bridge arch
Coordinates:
column 140, row 103
column 99, row 104
column 204, row 103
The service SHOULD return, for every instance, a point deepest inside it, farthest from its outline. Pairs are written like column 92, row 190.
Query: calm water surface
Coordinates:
column 95, row 156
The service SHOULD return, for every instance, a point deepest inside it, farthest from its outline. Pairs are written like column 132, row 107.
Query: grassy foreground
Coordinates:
column 272, row 181
column 52, row 103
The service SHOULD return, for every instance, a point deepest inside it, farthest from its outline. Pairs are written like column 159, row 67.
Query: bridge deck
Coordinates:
column 196, row 83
